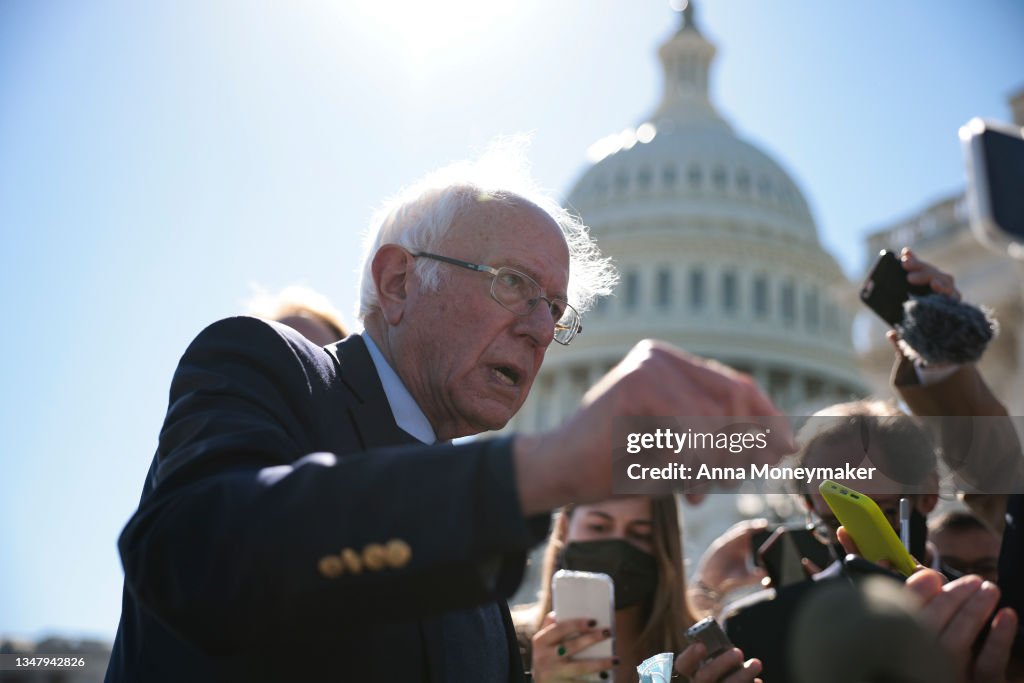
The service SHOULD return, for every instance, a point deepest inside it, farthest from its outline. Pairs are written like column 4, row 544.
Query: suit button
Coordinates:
column 398, row 553
column 331, row 566
column 352, row 562
column 374, row 557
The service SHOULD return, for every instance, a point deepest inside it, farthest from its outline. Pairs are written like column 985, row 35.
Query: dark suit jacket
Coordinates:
column 225, row 570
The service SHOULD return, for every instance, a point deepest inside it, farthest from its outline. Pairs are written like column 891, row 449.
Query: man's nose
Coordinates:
column 538, row 324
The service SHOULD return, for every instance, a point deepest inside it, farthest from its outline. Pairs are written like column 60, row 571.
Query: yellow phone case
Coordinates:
column 868, row 527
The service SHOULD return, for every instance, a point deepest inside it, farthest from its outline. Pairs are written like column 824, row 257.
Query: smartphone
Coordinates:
column 868, row 527
column 782, row 553
column 886, row 288
column 994, row 156
column 587, row 595
column 758, row 538
column 708, row 631
column 780, row 558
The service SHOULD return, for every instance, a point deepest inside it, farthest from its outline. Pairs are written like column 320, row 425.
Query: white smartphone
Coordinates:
column 994, row 155
column 587, row 595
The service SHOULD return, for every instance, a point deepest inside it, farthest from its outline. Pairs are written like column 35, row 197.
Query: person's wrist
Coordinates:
column 703, row 596
column 540, row 481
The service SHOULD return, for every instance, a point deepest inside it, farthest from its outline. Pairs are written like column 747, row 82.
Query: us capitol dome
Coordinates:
column 717, row 250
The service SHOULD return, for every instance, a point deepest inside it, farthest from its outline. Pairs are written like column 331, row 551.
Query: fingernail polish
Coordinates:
column 592, row 623
column 606, row 633
column 615, row 661
column 604, row 675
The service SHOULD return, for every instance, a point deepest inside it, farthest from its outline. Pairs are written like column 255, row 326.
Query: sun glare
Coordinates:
column 423, row 29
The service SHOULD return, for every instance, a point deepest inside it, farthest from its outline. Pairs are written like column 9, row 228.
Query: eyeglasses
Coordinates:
column 520, row 294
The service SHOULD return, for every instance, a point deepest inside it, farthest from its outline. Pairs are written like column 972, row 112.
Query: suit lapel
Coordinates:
column 370, row 412
column 375, row 424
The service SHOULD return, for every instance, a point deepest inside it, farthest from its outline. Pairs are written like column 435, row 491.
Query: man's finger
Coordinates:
column 846, row 540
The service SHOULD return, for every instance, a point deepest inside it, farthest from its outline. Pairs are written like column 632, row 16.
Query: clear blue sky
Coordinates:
column 156, row 159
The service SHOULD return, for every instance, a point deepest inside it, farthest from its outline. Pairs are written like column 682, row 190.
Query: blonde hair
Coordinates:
column 300, row 302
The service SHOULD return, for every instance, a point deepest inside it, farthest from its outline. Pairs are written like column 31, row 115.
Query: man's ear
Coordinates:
column 392, row 267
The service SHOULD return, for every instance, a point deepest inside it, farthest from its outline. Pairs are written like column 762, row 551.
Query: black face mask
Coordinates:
column 634, row 572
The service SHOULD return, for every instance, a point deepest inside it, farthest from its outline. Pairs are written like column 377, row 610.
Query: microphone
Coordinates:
column 938, row 329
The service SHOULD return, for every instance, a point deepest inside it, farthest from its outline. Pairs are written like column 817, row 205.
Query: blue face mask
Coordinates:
column 634, row 572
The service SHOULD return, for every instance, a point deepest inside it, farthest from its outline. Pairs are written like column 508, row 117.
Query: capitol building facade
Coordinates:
column 718, row 254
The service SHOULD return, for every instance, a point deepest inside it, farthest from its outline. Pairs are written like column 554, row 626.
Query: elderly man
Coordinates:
column 305, row 516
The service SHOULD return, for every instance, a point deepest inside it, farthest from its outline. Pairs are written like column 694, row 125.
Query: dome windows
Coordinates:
column 743, row 181
column 621, row 181
column 730, row 292
column 719, row 178
column 643, row 178
column 759, row 290
column 668, row 175
column 811, row 316
column 694, row 176
column 787, row 301
column 696, row 289
column 663, row 288
column 631, row 290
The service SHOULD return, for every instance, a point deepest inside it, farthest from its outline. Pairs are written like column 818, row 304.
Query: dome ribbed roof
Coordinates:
column 687, row 153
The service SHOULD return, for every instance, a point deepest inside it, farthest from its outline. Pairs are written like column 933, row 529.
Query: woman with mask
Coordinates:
column 636, row 541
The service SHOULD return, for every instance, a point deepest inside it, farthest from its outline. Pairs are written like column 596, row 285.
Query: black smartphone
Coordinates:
column 810, row 546
column 886, row 288
column 994, row 155
column 782, row 555
column 758, row 538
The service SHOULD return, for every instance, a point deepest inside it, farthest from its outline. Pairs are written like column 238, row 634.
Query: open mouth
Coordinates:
column 506, row 375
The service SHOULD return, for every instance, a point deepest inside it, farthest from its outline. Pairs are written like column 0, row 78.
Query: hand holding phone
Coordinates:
column 886, row 288
column 867, row 526
column 720, row 660
column 590, row 596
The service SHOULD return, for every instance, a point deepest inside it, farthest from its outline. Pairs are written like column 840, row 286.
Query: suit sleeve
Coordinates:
column 233, row 541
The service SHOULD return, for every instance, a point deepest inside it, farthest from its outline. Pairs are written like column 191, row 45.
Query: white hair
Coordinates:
column 419, row 217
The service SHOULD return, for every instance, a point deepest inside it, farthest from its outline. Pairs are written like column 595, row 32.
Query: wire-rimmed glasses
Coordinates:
column 519, row 293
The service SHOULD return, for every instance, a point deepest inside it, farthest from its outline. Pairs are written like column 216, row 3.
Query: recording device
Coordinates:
column 934, row 329
column 994, row 156
column 782, row 554
column 587, row 595
column 886, row 288
column 708, row 631
column 868, row 527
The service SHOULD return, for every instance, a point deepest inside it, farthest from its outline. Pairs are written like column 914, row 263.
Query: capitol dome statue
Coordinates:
column 718, row 253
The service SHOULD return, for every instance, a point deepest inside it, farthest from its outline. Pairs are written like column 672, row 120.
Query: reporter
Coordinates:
column 636, row 540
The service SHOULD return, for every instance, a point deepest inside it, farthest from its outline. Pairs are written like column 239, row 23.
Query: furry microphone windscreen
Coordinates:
column 938, row 329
